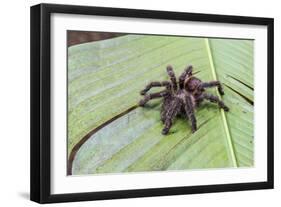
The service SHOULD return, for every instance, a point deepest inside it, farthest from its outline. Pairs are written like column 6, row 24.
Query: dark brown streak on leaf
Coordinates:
column 244, row 97
column 87, row 136
column 250, row 87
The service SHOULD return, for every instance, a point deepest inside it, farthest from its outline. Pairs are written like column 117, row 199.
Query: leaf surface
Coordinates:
column 105, row 78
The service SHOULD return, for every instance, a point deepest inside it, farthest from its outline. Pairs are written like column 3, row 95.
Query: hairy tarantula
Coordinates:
column 181, row 97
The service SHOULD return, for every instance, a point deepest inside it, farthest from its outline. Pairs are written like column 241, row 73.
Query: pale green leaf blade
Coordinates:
column 102, row 86
column 107, row 86
column 233, row 60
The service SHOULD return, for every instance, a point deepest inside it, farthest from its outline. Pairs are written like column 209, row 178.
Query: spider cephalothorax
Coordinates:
column 181, row 97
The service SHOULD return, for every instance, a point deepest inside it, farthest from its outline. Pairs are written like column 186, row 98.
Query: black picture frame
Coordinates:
column 41, row 98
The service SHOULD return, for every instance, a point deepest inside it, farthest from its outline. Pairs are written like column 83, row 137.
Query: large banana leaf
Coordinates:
column 108, row 132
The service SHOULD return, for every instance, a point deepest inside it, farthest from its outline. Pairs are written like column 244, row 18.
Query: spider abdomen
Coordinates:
column 192, row 84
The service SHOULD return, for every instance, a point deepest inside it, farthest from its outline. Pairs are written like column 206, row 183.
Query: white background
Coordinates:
column 62, row 184
column 14, row 105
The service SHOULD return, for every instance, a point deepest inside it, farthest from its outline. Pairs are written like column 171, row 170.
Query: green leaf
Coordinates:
column 108, row 133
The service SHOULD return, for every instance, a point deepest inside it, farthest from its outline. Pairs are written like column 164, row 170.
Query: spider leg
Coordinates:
column 214, row 99
column 171, row 73
column 165, row 107
column 213, row 84
column 163, row 114
column 171, row 113
column 186, row 72
column 188, row 106
column 167, row 84
column 150, row 96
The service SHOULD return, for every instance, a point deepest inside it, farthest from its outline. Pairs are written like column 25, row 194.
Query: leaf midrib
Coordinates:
column 224, row 119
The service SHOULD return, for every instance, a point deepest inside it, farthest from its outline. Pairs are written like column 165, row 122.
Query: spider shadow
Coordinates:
column 205, row 106
column 153, row 106
column 209, row 106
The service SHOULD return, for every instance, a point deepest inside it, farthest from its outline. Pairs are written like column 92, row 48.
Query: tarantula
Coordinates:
column 181, row 97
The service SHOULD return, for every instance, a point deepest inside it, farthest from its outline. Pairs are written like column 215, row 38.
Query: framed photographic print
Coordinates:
column 132, row 103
